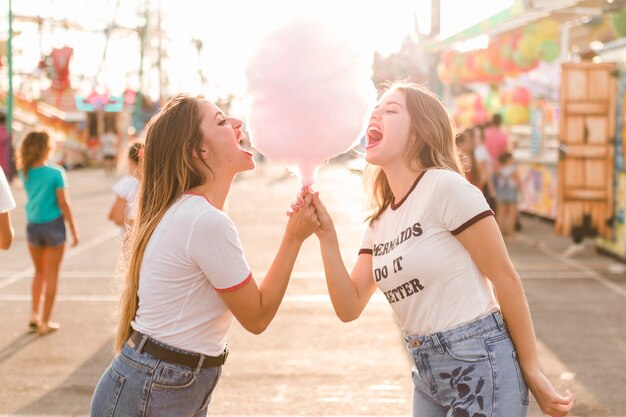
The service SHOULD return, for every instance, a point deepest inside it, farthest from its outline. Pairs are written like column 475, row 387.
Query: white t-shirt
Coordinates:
column 127, row 188
column 193, row 253
column 427, row 276
column 481, row 154
column 7, row 202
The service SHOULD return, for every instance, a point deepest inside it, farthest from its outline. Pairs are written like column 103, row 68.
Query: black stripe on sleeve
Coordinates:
column 471, row 221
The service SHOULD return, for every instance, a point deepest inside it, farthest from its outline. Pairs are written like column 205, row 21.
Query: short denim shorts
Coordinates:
column 50, row 234
column 470, row 370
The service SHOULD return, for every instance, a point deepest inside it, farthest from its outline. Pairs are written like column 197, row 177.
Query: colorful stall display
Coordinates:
column 515, row 106
column 469, row 110
column 539, row 183
column 506, row 56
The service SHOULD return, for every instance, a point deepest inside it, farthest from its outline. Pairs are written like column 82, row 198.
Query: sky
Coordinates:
column 229, row 31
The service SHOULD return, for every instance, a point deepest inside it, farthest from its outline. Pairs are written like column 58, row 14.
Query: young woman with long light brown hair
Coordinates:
column 47, row 210
column 187, row 275
column 434, row 249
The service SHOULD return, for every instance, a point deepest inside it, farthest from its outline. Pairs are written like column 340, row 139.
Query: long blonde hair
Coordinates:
column 172, row 137
column 434, row 145
column 34, row 148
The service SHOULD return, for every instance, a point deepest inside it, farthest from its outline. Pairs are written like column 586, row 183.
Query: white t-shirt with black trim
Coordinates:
column 193, row 254
column 427, row 276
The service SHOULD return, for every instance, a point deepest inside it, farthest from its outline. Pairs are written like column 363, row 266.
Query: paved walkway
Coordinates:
column 308, row 362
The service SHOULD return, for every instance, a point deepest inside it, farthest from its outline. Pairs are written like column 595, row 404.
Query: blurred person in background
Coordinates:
column 484, row 167
column 465, row 145
column 122, row 212
column 5, row 146
column 47, row 210
column 508, row 187
column 108, row 150
column 496, row 141
column 7, row 203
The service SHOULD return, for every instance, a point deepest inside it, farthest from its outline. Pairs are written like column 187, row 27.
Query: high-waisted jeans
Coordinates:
column 469, row 371
column 137, row 384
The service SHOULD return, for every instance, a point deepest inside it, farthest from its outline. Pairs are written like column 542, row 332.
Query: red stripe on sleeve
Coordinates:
column 367, row 251
column 235, row 287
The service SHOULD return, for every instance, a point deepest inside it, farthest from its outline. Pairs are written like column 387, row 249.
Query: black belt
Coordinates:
column 192, row 360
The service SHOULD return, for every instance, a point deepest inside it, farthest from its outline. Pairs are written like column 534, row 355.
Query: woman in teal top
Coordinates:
column 47, row 210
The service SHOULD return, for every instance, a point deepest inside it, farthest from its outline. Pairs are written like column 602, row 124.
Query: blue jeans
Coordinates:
column 138, row 384
column 469, row 371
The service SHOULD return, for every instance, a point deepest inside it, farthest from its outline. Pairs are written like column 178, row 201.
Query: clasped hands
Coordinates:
column 310, row 206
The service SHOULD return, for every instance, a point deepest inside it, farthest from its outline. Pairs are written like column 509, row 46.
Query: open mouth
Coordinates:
column 374, row 135
column 241, row 143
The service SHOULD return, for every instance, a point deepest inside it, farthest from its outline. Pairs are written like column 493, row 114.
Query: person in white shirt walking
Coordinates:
column 187, row 275
column 7, row 203
column 435, row 251
column 484, row 167
column 122, row 212
column 108, row 150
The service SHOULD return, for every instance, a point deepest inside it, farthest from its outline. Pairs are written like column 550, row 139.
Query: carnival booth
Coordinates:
column 557, row 75
column 549, row 74
column 517, row 75
column 615, row 242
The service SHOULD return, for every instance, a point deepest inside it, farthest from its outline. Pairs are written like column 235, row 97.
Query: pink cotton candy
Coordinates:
column 309, row 95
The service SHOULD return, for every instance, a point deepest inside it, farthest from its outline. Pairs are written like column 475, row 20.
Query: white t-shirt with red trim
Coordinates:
column 193, row 254
column 427, row 276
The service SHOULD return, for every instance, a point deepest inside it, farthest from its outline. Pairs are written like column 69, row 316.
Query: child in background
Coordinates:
column 508, row 186
column 122, row 212
column 47, row 210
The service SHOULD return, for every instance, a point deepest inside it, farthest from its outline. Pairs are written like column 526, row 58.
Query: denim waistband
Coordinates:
column 490, row 322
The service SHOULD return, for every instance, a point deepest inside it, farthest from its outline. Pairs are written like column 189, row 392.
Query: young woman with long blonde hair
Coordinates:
column 434, row 249
column 187, row 274
column 47, row 210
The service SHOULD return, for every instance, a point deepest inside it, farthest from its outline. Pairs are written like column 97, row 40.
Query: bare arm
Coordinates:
column 6, row 230
column 68, row 215
column 118, row 210
column 484, row 243
column 255, row 306
column 349, row 293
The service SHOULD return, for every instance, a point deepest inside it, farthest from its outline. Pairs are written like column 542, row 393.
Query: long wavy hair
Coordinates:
column 173, row 136
column 434, row 145
column 34, row 148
